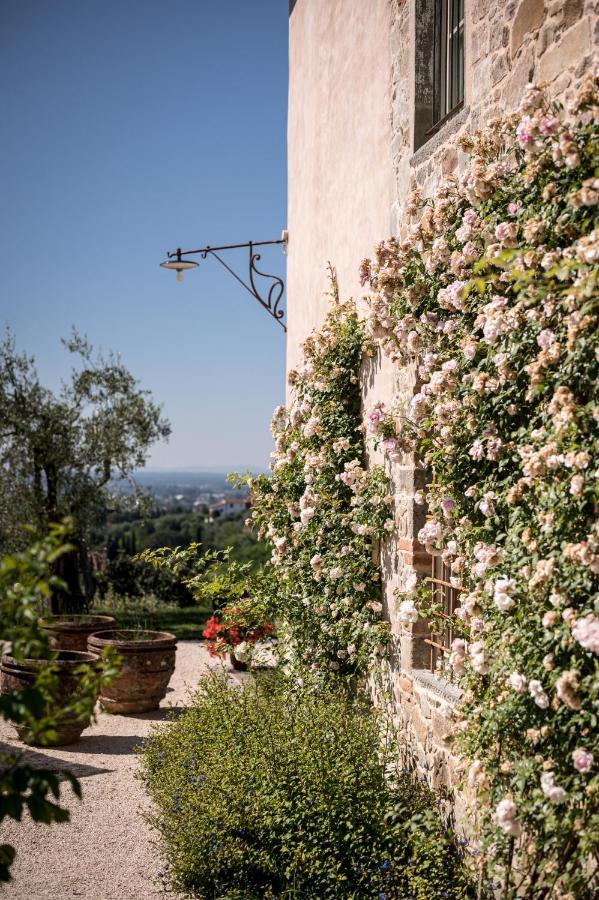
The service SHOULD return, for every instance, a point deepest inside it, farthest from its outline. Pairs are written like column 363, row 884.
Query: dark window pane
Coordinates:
column 448, row 63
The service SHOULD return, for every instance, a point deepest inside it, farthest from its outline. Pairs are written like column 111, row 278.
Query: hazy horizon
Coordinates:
column 200, row 470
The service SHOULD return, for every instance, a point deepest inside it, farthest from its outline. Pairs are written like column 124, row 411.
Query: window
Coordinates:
column 447, row 598
column 448, row 64
column 439, row 76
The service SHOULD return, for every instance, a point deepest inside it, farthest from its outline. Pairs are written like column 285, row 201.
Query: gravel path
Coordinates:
column 105, row 852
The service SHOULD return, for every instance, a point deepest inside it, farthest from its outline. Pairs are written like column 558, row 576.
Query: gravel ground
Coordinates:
column 105, row 852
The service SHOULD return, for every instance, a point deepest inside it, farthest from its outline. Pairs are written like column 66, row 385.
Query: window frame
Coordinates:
column 439, row 642
column 448, row 62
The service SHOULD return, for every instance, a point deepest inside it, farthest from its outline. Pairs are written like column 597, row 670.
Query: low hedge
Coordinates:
column 259, row 795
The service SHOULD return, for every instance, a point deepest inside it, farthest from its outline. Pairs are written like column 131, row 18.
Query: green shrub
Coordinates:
column 259, row 795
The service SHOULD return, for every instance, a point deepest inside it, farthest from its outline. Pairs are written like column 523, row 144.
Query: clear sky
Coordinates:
column 130, row 127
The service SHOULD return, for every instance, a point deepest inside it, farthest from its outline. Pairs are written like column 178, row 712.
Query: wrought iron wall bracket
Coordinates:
column 270, row 300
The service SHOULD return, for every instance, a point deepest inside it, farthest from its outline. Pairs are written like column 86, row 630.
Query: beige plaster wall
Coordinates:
column 339, row 142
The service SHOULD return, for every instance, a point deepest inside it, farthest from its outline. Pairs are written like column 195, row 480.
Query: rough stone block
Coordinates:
column 480, row 80
column 455, row 768
column 575, row 43
column 420, row 726
column 547, row 37
column 424, row 705
column 561, row 84
column 441, row 775
column 498, row 38
column 441, row 727
column 528, row 18
column 478, row 43
column 480, row 8
column 449, row 160
column 570, row 12
column 521, row 74
column 499, row 68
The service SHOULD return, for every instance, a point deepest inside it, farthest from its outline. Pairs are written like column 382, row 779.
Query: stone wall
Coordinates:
column 507, row 45
column 358, row 84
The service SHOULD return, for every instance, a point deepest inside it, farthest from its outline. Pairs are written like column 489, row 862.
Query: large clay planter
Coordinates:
column 147, row 663
column 17, row 675
column 72, row 632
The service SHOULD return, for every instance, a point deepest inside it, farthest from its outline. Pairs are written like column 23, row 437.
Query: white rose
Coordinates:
column 518, row 682
column 408, row 614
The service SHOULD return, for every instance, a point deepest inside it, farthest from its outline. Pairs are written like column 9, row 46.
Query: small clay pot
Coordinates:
column 237, row 664
column 147, row 663
column 18, row 675
column 72, row 632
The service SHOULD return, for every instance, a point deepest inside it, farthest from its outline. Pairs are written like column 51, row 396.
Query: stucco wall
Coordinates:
column 339, row 140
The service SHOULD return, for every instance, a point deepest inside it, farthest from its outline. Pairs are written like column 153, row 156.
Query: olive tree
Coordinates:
column 60, row 451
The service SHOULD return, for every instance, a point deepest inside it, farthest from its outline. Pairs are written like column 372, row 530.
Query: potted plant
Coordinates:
column 48, row 695
column 71, row 688
column 71, row 632
column 240, row 629
column 240, row 625
column 147, row 663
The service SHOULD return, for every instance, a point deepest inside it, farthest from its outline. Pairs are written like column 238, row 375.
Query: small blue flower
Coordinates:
column 385, row 865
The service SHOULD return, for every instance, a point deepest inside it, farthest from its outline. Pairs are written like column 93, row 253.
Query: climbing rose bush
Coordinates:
column 492, row 295
column 323, row 511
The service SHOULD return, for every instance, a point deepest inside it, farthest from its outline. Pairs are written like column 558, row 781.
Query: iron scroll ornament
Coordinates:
column 271, row 301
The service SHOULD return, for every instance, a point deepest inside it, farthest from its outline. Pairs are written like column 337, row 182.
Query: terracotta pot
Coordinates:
column 147, row 663
column 17, row 675
column 72, row 632
column 237, row 664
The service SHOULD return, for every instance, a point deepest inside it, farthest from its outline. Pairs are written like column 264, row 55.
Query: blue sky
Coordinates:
column 130, row 128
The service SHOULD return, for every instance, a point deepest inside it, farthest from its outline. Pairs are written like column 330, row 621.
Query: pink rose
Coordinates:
column 586, row 632
column 524, row 132
column 546, row 338
column 583, row 760
column 548, row 125
column 447, row 505
column 506, row 232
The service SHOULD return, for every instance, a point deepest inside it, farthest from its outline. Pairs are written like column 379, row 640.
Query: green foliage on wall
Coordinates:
column 494, row 295
column 323, row 512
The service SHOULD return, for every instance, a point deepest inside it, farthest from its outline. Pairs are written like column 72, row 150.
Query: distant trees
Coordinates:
column 134, row 533
column 59, row 451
